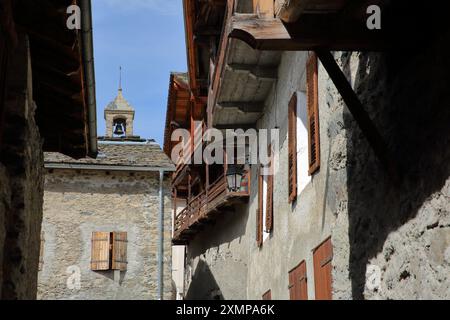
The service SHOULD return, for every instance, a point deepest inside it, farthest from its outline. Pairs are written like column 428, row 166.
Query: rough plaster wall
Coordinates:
column 78, row 203
column 303, row 225
column 21, row 177
column 401, row 229
column 217, row 259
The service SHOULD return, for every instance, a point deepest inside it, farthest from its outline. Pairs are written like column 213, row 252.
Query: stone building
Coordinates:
column 47, row 103
column 106, row 230
column 359, row 207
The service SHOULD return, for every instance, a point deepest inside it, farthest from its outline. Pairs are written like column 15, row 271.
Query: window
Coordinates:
column 264, row 213
column 267, row 295
column 109, row 251
column 312, row 97
column 303, row 132
column 323, row 256
column 298, row 286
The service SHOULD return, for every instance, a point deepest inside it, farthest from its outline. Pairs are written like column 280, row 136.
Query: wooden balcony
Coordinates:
column 206, row 207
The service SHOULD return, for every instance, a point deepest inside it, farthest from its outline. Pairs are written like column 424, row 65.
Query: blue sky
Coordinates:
column 146, row 38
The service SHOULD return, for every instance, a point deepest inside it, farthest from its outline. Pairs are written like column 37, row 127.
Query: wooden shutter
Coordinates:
column 267, row 295
column 312, row 97
column 259, row 211
column 100, row 251
column 323, row 256
column 292, row 140
column 119, row 251
column 269, row 208
column 41, row 252
column 298, row 285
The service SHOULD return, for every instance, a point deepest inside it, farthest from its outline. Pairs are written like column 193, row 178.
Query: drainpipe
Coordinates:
column 88, row 57
column 161, row 237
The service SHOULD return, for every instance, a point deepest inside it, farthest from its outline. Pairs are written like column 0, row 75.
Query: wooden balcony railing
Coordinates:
column 200, row 208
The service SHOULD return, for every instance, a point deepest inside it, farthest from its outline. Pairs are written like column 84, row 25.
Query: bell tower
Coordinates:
column 119, row 116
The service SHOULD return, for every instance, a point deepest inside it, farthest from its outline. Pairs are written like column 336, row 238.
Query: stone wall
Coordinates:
column 400, row 230
column 21, row 183
column 80, row 202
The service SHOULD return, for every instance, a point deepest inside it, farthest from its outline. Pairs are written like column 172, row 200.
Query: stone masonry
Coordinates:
column 80, row 202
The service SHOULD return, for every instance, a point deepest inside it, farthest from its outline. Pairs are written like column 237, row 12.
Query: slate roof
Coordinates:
column 147, row 154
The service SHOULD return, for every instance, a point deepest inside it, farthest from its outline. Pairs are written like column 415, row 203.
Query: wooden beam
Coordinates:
column 361, row 117
column 245, row 107
column 292, row 10
column 314, row 31
column 258, row 72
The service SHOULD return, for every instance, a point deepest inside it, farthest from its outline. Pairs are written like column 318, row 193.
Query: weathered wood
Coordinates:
column 259, row 72
column 245, row 107
column 310, row 33
column 312, row 98
column 119, row 251
column 100, row 251
column 292, row 10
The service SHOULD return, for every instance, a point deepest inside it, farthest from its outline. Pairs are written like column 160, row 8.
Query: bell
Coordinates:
column 119, row 130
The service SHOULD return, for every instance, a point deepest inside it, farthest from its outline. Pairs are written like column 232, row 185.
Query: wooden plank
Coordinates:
column 100, row 251
column 311, row 33
column 119, row 251
column 267, row 295
column 220, row 63
column 259, row 211
column 292, row 141
column 298, row 288
column 322, row 257
column 312, row 97
column 270, row 191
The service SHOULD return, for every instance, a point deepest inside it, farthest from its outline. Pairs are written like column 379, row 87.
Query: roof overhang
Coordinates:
column 63, row 75
column 74, row 166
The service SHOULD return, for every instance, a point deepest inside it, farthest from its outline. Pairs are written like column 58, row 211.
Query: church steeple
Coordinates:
column 119, row 115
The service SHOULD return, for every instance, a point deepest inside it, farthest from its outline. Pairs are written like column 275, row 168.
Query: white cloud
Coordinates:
column 168, row 7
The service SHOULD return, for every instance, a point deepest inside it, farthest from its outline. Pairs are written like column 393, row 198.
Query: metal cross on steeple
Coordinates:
column 120, row 78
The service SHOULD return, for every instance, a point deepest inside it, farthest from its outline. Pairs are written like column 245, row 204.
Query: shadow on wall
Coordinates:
column 406, row 94
column 203, row 285
column 213, row 244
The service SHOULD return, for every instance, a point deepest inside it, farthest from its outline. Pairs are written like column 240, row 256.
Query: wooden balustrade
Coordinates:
column 200, row 207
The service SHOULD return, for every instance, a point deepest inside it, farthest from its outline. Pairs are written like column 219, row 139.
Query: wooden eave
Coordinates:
column 203, row 24
column 59, row 83
column 178, row 109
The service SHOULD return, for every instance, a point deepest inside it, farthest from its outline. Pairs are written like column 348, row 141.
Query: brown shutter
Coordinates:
column 298, row 285
column 259, row 211
column 323, row 256
column 119, row 251
column 100, row 251
column 269, row 209
column 267, row 295
column 292, row 140
column 41, row 252
column 312, row 88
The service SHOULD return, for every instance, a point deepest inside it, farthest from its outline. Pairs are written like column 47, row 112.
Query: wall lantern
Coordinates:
column 234, row 178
